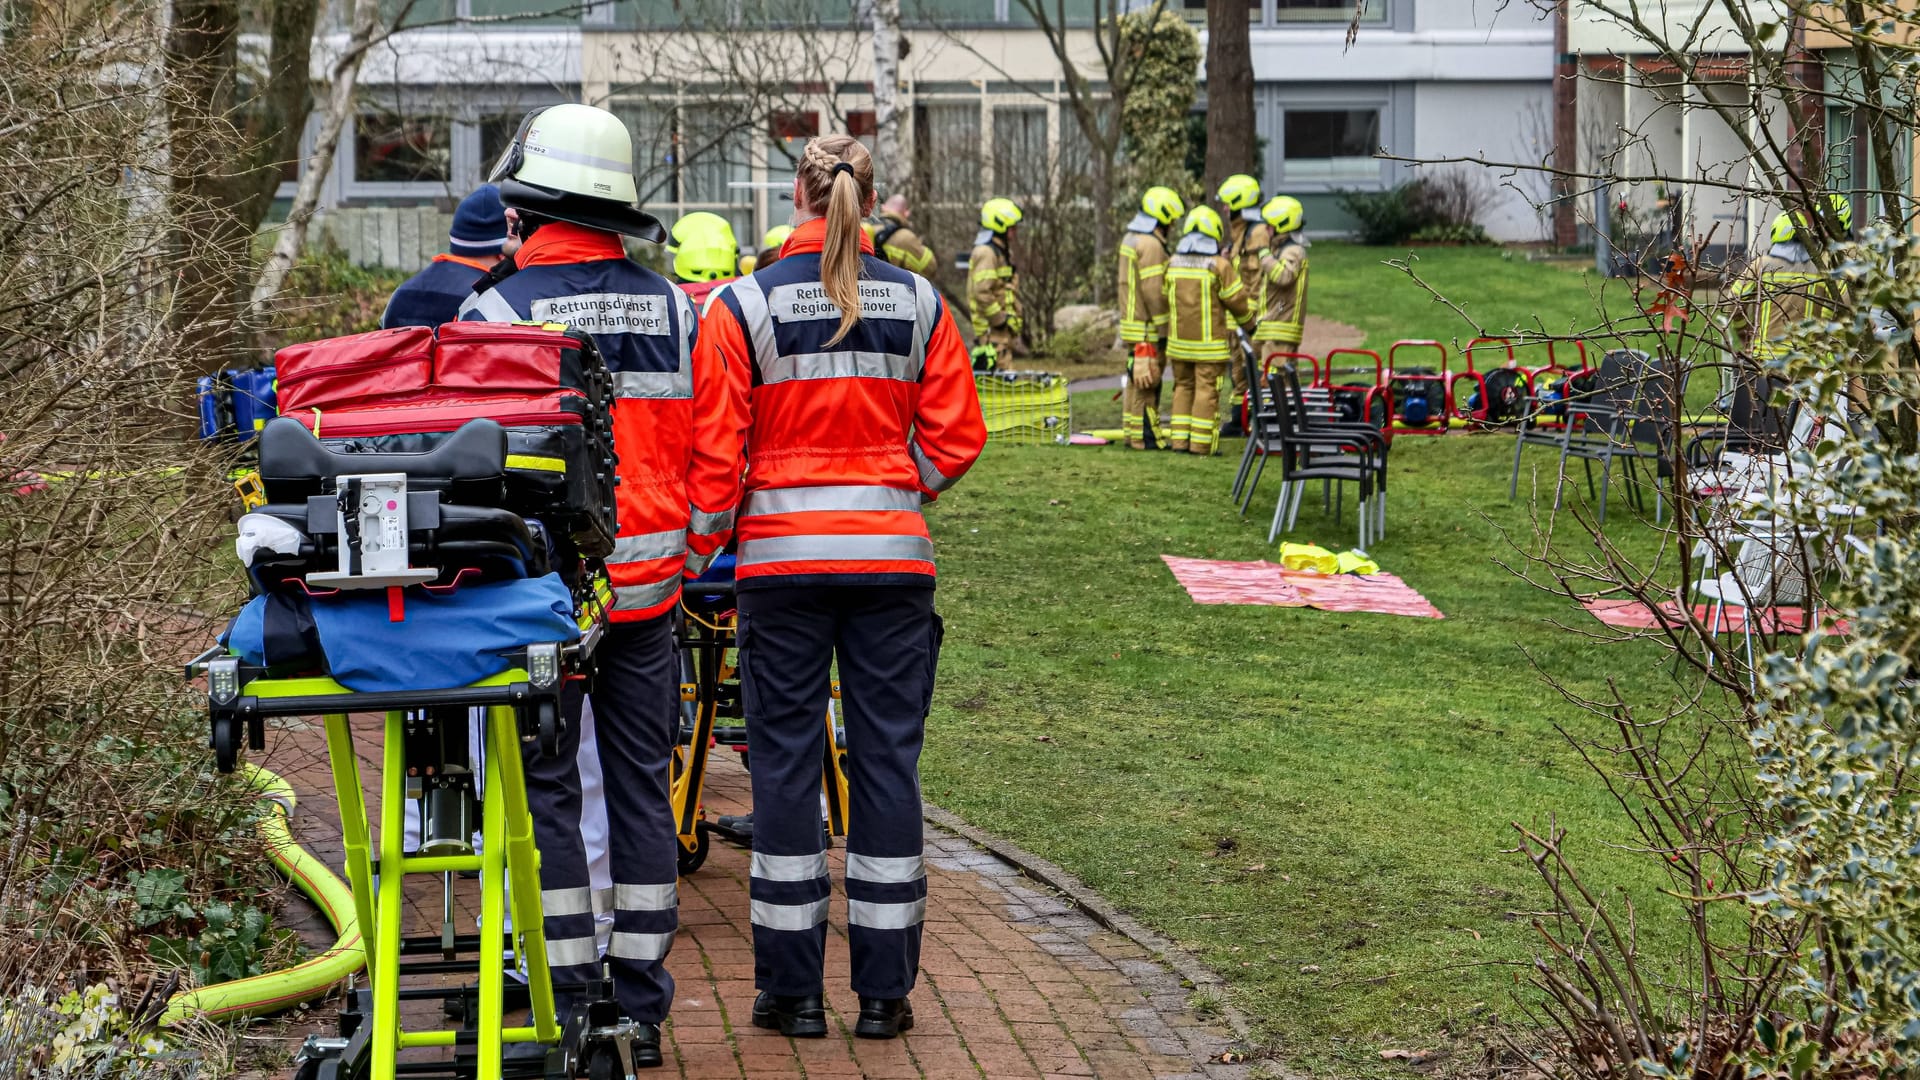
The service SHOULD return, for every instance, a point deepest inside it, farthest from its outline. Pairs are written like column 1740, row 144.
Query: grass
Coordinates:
column 1319, row 804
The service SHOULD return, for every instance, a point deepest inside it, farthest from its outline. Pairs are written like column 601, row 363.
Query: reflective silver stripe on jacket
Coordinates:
column 644, row 547
column 707, row 522
column 895, row 870
column 788, row 867
column 491, row 305
column 877, row 916
column 880, row 547
column 698, row 563
column 640, row 597
column 774, row 368
column 838, row 497
column 850, row 364
column 788, row 916
column 930, row 474
column 757, row 320
column 674, row 385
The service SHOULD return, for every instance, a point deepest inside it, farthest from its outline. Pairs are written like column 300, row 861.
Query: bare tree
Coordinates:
column 339, row 112
column 895, row 173
column 1229, row 91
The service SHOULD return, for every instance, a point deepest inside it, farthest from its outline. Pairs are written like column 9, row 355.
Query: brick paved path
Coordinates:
column 1014, row 983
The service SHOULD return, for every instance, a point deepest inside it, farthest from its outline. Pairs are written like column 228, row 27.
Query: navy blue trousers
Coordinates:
column 886, row 640
column 636, row 709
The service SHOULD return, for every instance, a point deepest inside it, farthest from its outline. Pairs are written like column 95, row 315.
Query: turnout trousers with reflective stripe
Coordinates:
column 886, row 639
column 1196, row 401
column 635, row 709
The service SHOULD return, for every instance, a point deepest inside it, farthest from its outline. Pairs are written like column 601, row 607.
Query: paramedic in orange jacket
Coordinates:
column 567, row 181
column 855, row 404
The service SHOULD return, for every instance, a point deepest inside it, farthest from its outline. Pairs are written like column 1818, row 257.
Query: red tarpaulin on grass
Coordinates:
column 1213, row 581
column 1634, row 615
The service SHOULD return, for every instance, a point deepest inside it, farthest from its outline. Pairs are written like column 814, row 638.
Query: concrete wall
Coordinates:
column 1697, row 26
column 1497, row 121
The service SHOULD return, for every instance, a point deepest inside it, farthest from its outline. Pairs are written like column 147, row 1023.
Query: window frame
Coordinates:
column 1273, row 100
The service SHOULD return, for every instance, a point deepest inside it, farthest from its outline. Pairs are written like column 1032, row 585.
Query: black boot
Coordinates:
column 883, row 1018
column 536, row 1051
column 801, row 1017
column 646, row 1046
column 1232, row 430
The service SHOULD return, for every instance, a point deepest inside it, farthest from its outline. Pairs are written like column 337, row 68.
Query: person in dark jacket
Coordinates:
column 477, row 241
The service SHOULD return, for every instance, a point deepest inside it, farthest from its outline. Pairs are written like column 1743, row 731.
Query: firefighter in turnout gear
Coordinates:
column 1203, row 289
column 1248, row 239
column 568, row 184
column 705, row 254
column 852, row 403
column 993, row 288
column 770, row 246
column 895, row 240
column 1281, row 299
column 1784, row 285
column 1143, row 309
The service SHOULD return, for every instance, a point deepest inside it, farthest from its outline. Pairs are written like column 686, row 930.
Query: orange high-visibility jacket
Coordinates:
column 645, row 328
column 841, row 442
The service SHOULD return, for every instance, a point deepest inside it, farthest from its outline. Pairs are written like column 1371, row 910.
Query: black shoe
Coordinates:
column 883, row 1018
column 1232, row 430
column 646, row 1046
column 736, row 827
column 802, row 1017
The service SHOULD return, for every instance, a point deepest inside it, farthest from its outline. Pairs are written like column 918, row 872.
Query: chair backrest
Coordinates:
column 1752, row 414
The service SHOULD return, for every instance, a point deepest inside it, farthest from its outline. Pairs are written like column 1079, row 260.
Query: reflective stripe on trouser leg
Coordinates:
column 593, row 826
column 636, row 711
column 1182, row 402
column 888, row 645
column 1237, row 368
column 1206, row 406
column 786, row 646
column 553, row 796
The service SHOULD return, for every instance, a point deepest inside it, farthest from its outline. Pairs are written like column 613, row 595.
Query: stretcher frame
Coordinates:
column 709, row 684
column 519, row 708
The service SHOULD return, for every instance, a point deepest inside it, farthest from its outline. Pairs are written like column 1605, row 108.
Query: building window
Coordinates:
column 1307, row 11
column 1334, row 146
column 713, row 152
column 788, row 133
column 391, row 147
column 946, row 146
column 1020, row 150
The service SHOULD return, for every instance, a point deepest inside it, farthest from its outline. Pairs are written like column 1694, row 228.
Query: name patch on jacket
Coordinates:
column 809, row 301
column 607, row 313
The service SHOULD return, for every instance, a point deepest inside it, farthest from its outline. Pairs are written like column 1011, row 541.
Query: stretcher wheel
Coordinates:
column 604, row 1065
column 547, row 716
column 226, row 743
column 693, row 859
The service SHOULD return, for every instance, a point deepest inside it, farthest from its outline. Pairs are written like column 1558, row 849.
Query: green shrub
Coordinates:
column 327, row 296
column 1386, row 217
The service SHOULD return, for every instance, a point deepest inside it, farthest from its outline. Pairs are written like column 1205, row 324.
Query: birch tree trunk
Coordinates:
column 339, row 112
column 891, row 163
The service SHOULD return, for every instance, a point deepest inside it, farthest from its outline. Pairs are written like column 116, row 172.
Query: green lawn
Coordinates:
column 1500, row 290
column 1316, row 803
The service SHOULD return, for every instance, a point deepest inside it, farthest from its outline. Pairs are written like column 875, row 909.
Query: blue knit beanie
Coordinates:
column 479, row 223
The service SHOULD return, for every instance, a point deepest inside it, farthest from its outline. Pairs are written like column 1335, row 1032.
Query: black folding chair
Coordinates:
column 1630, row 416
column 1332, row 456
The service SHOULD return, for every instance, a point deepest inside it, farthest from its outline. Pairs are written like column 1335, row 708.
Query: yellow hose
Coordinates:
column 277, row 990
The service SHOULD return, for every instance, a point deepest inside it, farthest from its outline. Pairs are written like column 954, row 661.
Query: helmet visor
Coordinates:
column 515, row 154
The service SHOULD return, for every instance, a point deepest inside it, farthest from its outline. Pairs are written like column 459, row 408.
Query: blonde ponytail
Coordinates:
column 836, row 178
